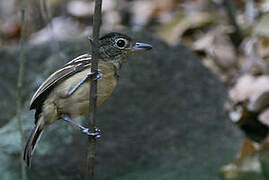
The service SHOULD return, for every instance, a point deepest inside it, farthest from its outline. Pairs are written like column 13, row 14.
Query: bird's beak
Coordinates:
column 140, row 47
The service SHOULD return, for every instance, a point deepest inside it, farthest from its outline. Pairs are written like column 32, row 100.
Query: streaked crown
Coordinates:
column 117, row 46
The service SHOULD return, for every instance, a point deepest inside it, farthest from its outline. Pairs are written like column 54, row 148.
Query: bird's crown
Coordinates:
column 116, row 46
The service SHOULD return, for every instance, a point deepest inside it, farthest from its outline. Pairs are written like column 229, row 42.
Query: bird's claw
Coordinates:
column 96, row 134
column 93, row 75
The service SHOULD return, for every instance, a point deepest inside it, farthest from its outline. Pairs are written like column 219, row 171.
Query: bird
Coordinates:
column 65, row 93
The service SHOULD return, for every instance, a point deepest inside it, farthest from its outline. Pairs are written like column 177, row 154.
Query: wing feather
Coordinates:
column 76, row 65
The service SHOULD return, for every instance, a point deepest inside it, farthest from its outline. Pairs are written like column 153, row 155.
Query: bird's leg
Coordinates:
column 85, row 78
column 96, row 133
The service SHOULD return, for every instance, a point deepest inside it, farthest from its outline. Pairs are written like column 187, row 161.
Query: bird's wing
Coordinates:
column 70, row 68
column 80, row 59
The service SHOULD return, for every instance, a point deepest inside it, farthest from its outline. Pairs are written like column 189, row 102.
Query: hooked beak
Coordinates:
column 140, row 47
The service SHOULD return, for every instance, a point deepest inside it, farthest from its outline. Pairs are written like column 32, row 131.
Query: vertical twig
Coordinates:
column 238, row 36
column 19, row 86
column 89, row 174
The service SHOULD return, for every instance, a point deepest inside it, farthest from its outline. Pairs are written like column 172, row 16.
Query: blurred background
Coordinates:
column 216, row 50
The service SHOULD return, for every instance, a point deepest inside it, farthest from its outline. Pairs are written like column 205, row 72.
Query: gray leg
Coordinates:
column 96, row 133
column 88, row 76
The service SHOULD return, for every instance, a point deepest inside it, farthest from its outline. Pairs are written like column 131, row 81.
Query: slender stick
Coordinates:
column 89, row 174
column 230, row 8
column 19, row 87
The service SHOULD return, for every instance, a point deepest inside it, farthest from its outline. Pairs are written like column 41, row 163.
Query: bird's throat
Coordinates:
column 117, row 67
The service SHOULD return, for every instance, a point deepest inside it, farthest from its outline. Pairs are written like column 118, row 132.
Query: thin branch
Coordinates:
column 89, row 174
column 238, row 36
column 19, row 87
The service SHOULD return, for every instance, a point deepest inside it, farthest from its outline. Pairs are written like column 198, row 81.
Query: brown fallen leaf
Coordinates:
column 262, row 27
column 248, row 87
column 248, row 148
column 264, row 118
column 172, row 32
column 247, row 166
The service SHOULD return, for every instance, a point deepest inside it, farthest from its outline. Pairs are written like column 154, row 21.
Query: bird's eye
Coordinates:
column 121, row 43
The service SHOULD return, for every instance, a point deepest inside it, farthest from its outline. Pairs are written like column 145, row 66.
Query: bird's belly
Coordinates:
column 78, row 103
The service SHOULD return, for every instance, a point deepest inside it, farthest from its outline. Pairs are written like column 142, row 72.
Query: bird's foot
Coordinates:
column 89, row 75
column 96, row 133
column 97, row 75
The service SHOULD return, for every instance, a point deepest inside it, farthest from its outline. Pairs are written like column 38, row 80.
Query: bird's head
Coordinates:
column 115, row 47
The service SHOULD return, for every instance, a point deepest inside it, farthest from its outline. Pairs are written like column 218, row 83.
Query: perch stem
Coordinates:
column 91, row 156
column 19, row 88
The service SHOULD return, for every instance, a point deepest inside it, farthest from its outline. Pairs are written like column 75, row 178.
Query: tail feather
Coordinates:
column 31, row 144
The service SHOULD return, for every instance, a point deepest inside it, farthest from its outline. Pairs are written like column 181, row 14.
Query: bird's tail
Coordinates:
column 31, row 143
